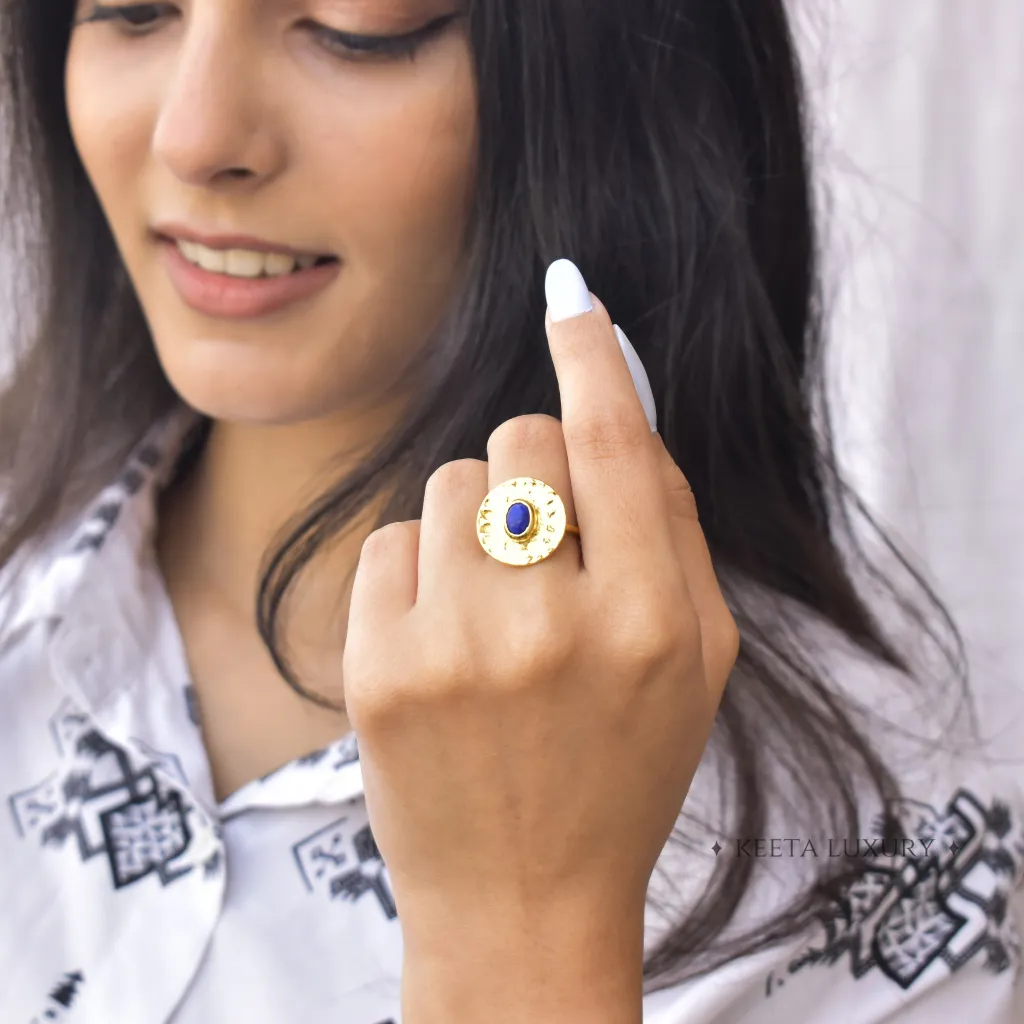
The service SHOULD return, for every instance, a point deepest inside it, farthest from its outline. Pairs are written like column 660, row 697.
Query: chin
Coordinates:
column 239, row 385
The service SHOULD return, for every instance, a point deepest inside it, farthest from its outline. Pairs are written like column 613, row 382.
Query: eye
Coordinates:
column 135, row 19
column 350, row 46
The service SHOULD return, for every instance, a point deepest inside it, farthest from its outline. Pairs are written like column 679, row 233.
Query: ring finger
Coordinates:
column 534, row 446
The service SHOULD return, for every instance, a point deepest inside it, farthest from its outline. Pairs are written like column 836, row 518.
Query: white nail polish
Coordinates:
column 567, row 292
column 640, row 379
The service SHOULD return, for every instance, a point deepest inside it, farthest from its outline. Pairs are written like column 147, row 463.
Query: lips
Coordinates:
column 226, row 296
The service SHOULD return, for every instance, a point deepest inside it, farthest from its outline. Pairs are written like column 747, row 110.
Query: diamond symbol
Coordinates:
column 716, row 848
column 954, row 848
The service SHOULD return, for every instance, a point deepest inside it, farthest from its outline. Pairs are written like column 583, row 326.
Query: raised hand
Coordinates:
column 528, row 734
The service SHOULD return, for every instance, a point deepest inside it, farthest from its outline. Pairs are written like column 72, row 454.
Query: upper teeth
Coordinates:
column 243, row 262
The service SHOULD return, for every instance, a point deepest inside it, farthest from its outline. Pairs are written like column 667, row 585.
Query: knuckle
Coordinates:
column 610, row 435
column 391, row 690
column 450, row 671
column 370, row 694
column 446, row 655
column 650, row 633
column 369, row 702
column 682, row 500
column 729, row 636
column 385, row 541
column 456, row 477
column 652, row 641
column 539, row 649
column 525, row 434
column 540, row 659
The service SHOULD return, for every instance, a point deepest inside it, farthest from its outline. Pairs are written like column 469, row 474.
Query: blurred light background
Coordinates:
column 920, row 144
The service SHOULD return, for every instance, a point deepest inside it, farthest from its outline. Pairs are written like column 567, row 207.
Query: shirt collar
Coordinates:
column 105, row 572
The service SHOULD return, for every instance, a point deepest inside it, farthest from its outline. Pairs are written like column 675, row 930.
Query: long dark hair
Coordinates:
column 661, row 145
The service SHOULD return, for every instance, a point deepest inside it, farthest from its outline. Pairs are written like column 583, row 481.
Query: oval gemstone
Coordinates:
column 517, row 519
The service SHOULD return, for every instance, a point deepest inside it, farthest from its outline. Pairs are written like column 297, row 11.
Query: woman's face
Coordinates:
column 253, row 125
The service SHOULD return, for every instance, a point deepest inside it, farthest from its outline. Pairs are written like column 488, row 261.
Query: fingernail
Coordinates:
column 640, row 379
column 567, row 292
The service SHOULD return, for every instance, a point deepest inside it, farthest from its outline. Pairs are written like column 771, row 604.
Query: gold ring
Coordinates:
column 522, row 521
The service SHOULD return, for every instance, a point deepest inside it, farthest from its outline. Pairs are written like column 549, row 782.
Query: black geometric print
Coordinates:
column 144, row 834
column 149, row 456
column 339, row 754
column 192, row 705
column 109, row 806
column 98, row 526
column 342, row 861
column 66, row 991
column 66, row 726
column 367, row 877
column 947, row 905
column 314, row 757
column 102, row 517
column 212, row 864
column 169, row 764
column 60, row 998
column 139, row 471
column 131, row 480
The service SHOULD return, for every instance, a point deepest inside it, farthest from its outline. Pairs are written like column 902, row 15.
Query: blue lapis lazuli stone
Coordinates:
column 517, row 518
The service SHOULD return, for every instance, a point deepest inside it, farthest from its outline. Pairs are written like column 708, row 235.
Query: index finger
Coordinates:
column 614, row 463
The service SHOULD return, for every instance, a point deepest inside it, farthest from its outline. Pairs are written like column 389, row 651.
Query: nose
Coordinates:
column 213, row 128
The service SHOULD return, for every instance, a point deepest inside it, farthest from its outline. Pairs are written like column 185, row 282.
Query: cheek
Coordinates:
column 109, row 126
column 404, row 172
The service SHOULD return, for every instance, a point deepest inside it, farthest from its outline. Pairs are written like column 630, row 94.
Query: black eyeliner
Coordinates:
column 107, row 12
column 384, row 44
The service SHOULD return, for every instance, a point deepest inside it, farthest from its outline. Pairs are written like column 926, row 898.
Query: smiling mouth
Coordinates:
column 247, row 263
column 234, row 282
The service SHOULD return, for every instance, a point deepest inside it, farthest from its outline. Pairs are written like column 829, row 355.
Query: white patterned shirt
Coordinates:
column 129, row 894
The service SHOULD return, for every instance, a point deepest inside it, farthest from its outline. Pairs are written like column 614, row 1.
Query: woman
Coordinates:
column 289, row 352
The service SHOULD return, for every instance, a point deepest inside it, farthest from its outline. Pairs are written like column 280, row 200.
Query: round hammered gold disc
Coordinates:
column 532, row 537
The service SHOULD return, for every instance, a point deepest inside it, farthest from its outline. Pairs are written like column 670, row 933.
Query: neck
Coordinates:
column 219, row 520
